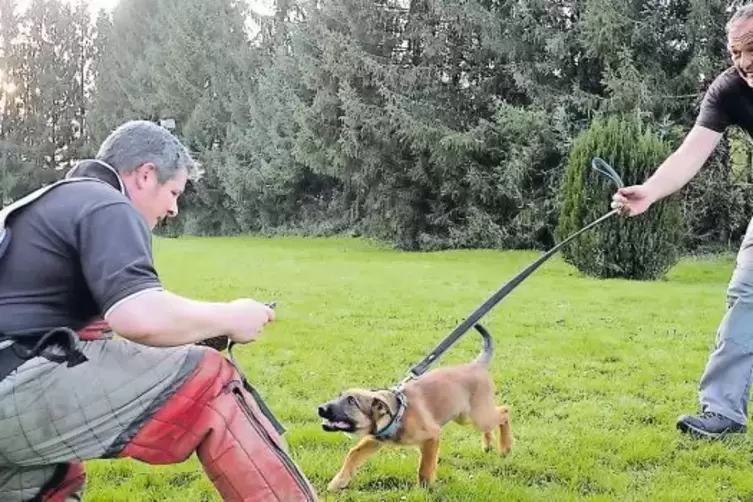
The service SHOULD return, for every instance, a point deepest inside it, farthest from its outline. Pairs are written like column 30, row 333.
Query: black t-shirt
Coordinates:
column 73, row 255
column 728, row 101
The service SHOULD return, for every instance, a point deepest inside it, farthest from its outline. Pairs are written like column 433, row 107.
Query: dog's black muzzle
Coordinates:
column 334, row 419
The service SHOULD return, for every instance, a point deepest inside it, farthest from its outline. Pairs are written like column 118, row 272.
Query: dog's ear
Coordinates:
column 379, row 407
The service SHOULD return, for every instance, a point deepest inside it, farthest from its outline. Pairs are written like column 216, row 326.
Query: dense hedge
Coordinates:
column 642, row 247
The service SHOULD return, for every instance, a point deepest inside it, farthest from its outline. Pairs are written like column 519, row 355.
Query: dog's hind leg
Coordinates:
column 356, row 456
column 486, row 418
column 427, row 470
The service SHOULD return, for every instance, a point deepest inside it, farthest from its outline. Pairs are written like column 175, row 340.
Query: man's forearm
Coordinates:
column 680, row 167
column 163, row 319
column 674, row 173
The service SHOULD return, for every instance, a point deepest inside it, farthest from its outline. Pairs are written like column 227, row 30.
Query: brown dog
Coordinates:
column 415, row 415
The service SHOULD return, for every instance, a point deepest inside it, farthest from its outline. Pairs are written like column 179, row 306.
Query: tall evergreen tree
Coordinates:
column 186, row 61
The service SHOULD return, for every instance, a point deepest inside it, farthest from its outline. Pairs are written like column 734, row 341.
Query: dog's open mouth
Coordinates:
column 335, row 425
column 335, row 419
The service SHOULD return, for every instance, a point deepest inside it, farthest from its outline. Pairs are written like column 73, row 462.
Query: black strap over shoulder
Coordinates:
column 86, row 171
column 4, row 241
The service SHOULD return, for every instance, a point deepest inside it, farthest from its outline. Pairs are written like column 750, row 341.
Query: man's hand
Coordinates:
column 633, row 200
column 247, row 318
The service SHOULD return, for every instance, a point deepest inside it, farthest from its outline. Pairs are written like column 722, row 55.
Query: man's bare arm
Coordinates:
column 163, row 319
column 680, row 167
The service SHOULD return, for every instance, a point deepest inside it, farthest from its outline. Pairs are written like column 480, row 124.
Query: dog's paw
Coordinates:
column 426, row 482
column 505, row 448
column 337, row 484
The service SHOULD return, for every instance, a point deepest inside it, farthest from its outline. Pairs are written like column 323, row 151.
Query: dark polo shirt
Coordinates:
column 73, row 255
column 728, row 101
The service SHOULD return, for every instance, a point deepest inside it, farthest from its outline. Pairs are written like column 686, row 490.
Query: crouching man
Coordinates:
column 76, row 262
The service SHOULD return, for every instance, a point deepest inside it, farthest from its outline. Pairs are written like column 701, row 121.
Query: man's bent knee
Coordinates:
column 214, row 415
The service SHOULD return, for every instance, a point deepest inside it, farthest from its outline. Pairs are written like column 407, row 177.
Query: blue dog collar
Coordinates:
column 392, row 427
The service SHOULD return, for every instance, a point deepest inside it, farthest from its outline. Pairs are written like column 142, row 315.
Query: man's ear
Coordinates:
column 143, row 174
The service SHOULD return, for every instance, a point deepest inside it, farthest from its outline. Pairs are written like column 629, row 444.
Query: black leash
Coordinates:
column 252, row 390
column 419, row 369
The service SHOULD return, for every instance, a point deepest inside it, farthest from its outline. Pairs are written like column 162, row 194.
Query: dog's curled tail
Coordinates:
column 485, row 357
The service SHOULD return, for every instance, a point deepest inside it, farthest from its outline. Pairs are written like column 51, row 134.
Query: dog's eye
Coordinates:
column 351, row 400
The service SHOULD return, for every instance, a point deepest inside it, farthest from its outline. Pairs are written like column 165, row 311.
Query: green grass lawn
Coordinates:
column 595, row 371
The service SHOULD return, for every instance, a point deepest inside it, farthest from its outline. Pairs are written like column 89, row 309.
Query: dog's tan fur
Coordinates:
column 464, row 394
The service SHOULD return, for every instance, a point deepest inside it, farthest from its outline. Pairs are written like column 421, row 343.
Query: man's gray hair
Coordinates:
column 137, row 142
column 742, row 12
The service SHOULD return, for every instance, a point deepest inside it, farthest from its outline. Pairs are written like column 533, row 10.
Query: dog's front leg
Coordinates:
column 505, row 430
column 356, row 456
column 427, row 470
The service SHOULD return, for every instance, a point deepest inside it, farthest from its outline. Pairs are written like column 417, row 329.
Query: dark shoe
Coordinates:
column 709, row 425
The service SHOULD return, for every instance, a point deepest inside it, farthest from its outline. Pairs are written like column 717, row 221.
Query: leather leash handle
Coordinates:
column 419, row 369
column 599, row 165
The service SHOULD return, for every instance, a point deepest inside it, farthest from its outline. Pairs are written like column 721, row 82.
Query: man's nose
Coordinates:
column 173, row 211
column 746, row 61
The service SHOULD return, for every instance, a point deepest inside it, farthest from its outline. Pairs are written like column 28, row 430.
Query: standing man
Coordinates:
column 76, row 262
column 724, row 390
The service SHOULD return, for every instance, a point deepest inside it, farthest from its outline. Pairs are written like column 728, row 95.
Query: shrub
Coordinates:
column 642, row 247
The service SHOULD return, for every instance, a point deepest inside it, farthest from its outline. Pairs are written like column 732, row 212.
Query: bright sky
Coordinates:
column 96, row 5
column 261, row 6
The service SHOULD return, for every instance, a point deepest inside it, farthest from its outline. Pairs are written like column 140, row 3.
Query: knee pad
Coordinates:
column 216, row 416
